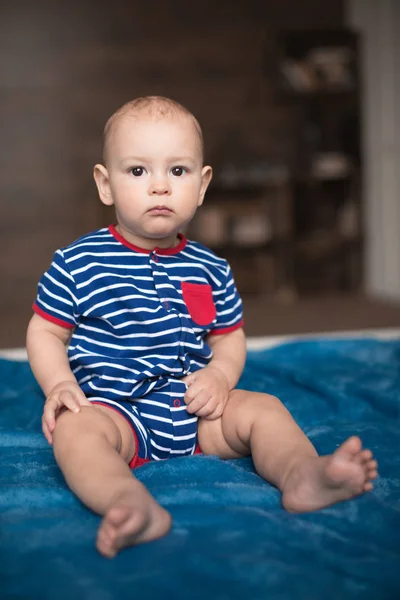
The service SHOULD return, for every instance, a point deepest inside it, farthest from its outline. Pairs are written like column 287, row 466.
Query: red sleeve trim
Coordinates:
column 48, row 317
column 227, row 329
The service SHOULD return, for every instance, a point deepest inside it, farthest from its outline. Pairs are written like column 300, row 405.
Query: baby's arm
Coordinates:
column 46, row 346
column 229, row 354
column 209, row 388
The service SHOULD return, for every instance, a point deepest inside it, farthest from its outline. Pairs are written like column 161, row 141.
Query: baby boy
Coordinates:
column 137, row 343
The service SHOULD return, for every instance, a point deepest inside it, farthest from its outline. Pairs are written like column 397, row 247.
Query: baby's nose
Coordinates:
column 160, row 186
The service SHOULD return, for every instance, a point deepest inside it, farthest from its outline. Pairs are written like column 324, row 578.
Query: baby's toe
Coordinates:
column 351, row 448
column 105, row 546
column 372, row 464
column 106, row 535
column 107, row 530
column 366, row 455
column 116, row 516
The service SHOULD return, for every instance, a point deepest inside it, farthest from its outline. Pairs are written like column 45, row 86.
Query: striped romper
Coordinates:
column 140, row 321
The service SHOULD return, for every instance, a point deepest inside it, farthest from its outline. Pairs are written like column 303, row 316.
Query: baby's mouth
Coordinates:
column 160, row 210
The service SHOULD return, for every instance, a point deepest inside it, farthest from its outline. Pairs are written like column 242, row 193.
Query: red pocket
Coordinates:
column 199, row 302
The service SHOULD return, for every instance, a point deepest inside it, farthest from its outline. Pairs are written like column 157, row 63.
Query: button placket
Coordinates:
column 160, row 278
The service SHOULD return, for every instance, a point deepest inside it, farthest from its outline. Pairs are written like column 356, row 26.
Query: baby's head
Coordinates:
column 153, row 108
column 153, row 171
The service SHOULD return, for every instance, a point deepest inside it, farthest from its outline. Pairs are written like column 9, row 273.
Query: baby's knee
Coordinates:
column 88, row 421
column 247, row 407
column 266, row 403
column 246, row 400
column 268, row 400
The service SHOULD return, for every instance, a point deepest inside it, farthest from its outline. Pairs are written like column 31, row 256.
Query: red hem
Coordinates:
column 227, row 329
column 160, row 251
column 137, row 462
column 50, row 318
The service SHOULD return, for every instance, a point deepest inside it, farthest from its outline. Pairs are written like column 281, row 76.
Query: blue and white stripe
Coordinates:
column 132, row 328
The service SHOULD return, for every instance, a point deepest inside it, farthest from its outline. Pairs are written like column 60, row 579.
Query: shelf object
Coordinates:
column 319, row 61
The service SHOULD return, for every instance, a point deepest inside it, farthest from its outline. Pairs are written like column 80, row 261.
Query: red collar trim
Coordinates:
column 161, row 251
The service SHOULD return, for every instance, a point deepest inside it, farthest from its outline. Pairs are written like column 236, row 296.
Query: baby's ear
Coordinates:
column 101, row 178
column 206, row 176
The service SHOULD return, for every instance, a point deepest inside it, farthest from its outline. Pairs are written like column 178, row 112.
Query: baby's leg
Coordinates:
column 93, row 449
column 259, row 424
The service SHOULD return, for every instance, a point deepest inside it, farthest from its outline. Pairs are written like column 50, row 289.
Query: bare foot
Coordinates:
column 316, row 482
column 127, row 524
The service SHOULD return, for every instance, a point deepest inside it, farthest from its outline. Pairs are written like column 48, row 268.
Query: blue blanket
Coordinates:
column 230, row 538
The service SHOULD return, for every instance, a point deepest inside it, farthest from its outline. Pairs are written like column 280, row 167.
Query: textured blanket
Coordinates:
column 230, row 538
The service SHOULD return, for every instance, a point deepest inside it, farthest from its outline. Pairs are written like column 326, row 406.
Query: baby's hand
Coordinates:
column 207, row 394
column 66, row 394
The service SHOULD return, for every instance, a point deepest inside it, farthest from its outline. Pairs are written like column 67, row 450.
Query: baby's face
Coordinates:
column 156, row 177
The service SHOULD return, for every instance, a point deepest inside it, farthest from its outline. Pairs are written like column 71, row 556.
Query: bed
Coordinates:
column 230, row 538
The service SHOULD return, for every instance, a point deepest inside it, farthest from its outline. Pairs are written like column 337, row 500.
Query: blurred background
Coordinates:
column 299, row 101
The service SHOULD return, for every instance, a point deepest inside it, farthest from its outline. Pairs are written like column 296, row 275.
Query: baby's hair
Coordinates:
column 157, row 107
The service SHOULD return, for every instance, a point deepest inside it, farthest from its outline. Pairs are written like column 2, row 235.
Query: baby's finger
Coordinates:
column 83, row 401
column 216, row 414
column 46, row 432
column 192, row 392
column 207, row 409
column 49, row 414
column 69, row 401
column 189, row 379
column 198, row 402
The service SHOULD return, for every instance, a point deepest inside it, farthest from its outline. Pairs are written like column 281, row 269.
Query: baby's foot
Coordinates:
column 317, row 482
column 127, row 524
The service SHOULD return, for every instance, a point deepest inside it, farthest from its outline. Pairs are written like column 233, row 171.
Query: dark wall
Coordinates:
column 65, row 67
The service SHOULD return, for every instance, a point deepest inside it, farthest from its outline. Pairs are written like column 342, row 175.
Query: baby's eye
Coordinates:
column 137, row 171
column 178, row 171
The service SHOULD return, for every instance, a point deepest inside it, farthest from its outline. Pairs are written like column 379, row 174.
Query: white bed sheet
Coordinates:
column 260, row 343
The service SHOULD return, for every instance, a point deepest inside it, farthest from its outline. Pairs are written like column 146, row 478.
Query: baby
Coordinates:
column 137, row 343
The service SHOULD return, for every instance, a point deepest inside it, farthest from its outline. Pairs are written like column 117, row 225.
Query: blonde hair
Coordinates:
column 157, row 107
